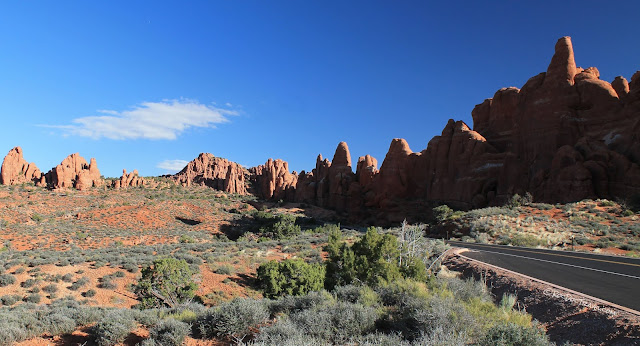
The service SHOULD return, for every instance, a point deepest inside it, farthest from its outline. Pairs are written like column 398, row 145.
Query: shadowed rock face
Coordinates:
column 564, row 136
column 215, row 172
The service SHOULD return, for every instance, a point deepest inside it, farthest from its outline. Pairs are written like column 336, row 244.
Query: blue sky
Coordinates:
column 136, row 84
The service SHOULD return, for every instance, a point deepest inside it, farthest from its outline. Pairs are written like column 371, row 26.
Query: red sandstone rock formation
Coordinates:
column 572, row 135
column 274, row 180
column 16, row 170
column 366, row 169
column 340, row 178
column 564, row 136
column 215, row 172
column 128, row 180
column 74, row 171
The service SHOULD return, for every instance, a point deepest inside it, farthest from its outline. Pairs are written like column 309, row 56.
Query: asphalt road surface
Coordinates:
column 611, row 278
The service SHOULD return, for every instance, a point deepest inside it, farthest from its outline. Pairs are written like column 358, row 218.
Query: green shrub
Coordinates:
column 441, row 336
column 466, row 290
column 224, row 270
column 113, row 328
column 37, row 217
column 108, row 284
column 602, row 243
column 185, row 239
column 606, row 203
column 51, row 288
column 89, row 293
column 59, row 324
column 336, row 322
column 513, row 334
column 81, row 282
column 28, row 283
column 581, row 240
column 290, row 277
column 517, row 200
column 131, row 267
column 375, row 259
column 33, row 298
column 527, row 240
column 280, row 226
column 169, row 332
column 9, row 299
column 357, row 294
column 167, row 282
column 233, row 320
column 442, row 213
column 6, row 280
column 401, row 291
column 286, row 333
column 630, row 247
column 288, row 304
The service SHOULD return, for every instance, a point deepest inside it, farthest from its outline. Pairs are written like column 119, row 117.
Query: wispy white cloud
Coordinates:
column 148, row 120
column 172, row 166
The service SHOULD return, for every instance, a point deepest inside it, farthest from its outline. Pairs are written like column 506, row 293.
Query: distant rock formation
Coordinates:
column 330, row 185
column 128, row 180
column 566, row 135
column 274, row 181
column 16, row 170
column 74, row 172
column 214, row 172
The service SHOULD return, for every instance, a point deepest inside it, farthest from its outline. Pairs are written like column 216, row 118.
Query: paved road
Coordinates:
column 611, row 278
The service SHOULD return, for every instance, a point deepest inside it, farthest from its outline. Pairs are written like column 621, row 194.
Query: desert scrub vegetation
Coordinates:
column 109, row 326
column 405, row 312
column 167, row 282
column 275, row 226
column 375, row 292
column 584, row 225
column 379, row 258
column 7, row 279
column 169, row 332
column 290, row 277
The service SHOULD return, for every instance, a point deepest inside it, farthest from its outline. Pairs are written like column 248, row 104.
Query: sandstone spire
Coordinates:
column 562, row 68
column 342, row 157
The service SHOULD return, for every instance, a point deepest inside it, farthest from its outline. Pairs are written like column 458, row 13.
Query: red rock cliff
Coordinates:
column 564, row 136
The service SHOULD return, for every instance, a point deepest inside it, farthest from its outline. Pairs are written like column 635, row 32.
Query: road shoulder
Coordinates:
column 567, row 316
